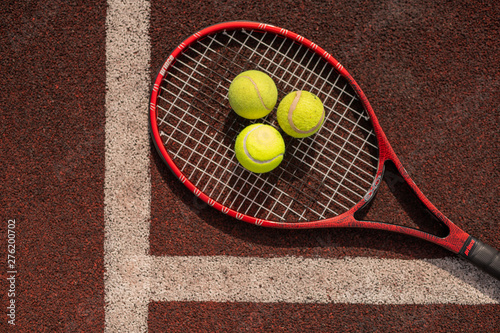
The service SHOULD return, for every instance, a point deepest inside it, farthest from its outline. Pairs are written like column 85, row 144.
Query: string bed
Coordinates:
column 320, row 177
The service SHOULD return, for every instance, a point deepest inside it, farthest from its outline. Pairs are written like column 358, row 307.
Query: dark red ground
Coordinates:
column 430, row 70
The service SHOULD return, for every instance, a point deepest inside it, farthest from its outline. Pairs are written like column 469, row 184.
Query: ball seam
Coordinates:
column 290, row 116
column 258, row 92
column 250, row 156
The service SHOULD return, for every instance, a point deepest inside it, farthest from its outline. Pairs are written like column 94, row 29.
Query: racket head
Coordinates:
column 322, row 181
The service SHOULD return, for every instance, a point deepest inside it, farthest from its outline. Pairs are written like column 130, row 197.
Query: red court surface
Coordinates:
column 107, row 239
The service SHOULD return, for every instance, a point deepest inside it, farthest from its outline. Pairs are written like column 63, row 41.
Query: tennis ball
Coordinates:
column 300, row 114
column 259, row 148
column 252, row 94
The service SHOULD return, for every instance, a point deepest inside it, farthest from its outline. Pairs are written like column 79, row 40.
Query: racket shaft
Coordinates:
column 482, row 255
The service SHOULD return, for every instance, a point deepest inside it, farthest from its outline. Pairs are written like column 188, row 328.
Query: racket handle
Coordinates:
column 482, row 255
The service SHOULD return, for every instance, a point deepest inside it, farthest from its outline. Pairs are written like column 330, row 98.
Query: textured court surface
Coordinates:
column 107, row 239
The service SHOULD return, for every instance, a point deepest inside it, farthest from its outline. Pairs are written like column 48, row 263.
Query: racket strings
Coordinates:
column 312, row 86
column 315, row 86
column 220, row 166
column 320, row 177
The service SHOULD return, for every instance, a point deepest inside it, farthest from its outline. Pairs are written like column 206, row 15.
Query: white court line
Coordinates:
column 320, row 280
column 133, row 278
column 127, row 184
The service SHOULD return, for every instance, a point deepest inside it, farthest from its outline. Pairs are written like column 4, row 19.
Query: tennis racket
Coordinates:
column 325, row 180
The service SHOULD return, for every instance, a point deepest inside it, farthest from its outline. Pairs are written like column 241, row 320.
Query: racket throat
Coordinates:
column 398, row 204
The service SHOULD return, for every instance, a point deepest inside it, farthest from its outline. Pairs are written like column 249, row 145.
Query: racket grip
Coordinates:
column 482, row 255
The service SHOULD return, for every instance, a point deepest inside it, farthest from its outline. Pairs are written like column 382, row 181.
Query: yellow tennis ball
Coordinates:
column 300, row 114
column 259, row 148
column 252, row 94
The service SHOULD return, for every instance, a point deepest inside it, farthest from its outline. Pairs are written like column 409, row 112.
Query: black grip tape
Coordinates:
column 482, row 255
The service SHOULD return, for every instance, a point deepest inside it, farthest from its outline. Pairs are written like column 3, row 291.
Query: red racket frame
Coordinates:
column 455, row 241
